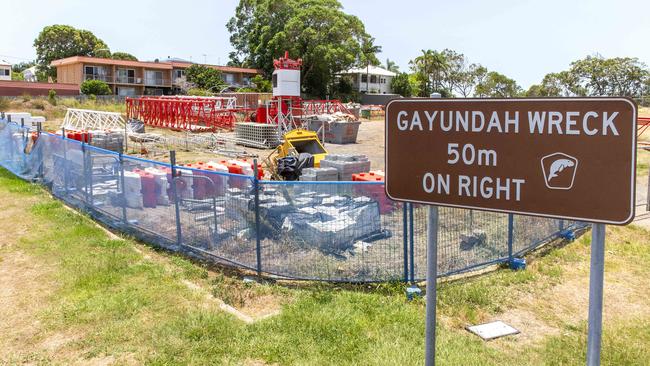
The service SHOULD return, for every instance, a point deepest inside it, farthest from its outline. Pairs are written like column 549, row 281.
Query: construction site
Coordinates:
column 284, row 187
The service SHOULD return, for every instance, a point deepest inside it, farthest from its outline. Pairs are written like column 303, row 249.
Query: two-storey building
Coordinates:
column 139, row 77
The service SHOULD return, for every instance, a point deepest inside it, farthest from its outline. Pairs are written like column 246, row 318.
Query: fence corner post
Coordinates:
column 511, row 227
column 258, row 243
column 121, row 160
column 177, row 209
column 412, row 242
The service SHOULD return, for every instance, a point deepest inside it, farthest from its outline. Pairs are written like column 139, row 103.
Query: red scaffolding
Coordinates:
column 192, row 114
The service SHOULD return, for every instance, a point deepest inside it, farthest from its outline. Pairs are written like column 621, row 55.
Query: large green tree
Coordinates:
column 497, row 85
column 327, row 39
column 60, row 41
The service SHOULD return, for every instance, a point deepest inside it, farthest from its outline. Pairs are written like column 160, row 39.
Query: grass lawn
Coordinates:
column 70, row 293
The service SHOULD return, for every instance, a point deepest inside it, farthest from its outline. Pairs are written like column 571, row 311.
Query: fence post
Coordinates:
column 647, row 205
column 39, row 129
column 179, row 236
column 406, row 242
column 258, row 247
column 121, row 158
column 511, row 228
column 412, row 239
column 65, row 160
column 84, row 162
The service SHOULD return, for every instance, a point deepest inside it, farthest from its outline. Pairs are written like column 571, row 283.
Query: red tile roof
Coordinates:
column 25, row 84
column 244, row 70
column 16, row 88
column 108, row 61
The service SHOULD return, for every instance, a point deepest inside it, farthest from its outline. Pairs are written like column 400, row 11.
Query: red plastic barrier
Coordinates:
column 376, row 192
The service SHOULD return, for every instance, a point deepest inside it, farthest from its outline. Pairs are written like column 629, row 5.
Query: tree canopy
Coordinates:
column 496, row 85
column 596, row 76
column 402, row 85
column 123, row 56
column 61, row 41
column 327, row 39
column 204, row 77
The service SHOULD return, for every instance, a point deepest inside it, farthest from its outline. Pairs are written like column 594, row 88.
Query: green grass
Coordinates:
column 125, row 300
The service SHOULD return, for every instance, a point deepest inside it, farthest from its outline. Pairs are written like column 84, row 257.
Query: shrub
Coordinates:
column 198, row 92
column 26, row 97
column 95, row 87
column 38, row 104
column 51, row 96
column 4, row 104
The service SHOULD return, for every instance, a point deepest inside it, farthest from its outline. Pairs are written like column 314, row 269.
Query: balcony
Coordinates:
column 128, row 80
column 105, row 77
column 157, row 82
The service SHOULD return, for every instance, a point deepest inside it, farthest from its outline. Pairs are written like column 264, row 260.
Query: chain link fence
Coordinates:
column 326, row 231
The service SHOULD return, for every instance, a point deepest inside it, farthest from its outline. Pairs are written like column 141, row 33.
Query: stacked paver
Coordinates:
column 346, row 165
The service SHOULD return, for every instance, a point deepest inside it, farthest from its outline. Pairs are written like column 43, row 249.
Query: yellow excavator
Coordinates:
column 296, row 142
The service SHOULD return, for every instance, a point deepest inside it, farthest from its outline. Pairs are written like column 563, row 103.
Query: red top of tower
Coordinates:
column 287, row 63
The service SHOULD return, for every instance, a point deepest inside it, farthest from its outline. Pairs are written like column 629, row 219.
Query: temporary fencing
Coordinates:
column 329, row 231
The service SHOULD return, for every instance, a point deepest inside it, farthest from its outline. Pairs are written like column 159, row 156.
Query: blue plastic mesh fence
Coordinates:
column 329, row 231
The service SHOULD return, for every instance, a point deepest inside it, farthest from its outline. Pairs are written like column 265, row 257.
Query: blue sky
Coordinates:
column 523, row 39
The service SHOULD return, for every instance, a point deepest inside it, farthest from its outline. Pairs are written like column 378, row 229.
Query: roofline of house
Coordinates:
column 166, row 65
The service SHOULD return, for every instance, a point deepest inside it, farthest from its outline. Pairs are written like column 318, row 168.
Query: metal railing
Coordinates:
column 157, row 82
column 326, row 231
column 105, row 78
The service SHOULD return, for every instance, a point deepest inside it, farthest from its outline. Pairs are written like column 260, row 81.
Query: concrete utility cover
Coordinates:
column 570, row 158
column 492, row 330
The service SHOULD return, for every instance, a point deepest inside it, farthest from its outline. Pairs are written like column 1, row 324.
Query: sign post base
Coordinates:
column 432, row 274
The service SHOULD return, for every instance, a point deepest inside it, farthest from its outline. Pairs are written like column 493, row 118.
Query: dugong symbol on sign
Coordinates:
column 557, row 169
column 557, row 166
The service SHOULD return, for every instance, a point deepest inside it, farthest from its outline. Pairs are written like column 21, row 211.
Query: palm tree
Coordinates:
column 368, row 51
column 391, row 66
column 431, row 64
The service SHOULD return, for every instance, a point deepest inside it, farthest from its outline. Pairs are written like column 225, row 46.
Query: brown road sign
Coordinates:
column 572, row 158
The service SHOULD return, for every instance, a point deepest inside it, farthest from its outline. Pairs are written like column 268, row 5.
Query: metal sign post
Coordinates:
column 432, row 275
column 596, row 277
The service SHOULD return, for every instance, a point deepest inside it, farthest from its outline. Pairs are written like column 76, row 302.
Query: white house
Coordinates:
column 371, row 79
column 5, row 70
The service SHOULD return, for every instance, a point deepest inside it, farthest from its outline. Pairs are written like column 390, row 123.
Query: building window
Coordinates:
column 153, row 77
column 274, row 79
column 229, row 78
column 373, row 79
column 6, row 72
column 125, row 92
column 179, row 74
column 126, row 76
column 95, row 73
column 364, row 78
